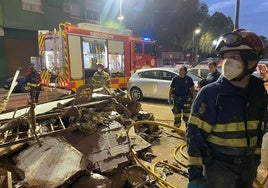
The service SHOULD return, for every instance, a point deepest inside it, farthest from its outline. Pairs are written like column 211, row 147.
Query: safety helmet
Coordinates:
column 100, row 65
column 240, row 40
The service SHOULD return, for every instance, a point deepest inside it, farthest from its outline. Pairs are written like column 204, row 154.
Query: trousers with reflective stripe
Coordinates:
column 181, row 109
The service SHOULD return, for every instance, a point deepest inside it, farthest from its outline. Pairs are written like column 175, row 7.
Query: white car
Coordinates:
column 201, row 72
column 154, row 83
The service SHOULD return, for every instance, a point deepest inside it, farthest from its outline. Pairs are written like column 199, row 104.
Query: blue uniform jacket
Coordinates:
column 212, row 77
column 225, row 119
column 182, row 86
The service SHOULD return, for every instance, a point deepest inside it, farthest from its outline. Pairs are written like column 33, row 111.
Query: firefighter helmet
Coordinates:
column 100, row 65
column 240, row 39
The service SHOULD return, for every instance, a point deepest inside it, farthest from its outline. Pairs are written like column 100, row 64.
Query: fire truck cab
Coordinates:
column 72, row 53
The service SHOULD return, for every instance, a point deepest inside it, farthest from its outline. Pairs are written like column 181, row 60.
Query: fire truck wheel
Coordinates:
column 136, row 94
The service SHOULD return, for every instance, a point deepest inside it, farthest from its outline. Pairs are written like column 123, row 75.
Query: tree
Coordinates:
column 212, row 28
column 172, row 22
column 205, row 43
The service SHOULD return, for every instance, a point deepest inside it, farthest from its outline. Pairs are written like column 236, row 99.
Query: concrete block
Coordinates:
column 51, row 165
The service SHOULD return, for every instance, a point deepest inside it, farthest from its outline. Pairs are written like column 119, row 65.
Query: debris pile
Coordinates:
column 78, row 141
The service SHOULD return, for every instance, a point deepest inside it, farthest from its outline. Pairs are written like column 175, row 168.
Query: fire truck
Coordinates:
column 72, row 52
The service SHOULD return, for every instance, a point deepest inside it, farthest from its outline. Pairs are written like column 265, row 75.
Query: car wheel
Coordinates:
column 136, row 94
column 23, row 88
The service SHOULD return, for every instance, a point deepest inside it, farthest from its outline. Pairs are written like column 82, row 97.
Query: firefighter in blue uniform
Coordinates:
column 34, row 82
column 226, row 124
column 212, row 76
column 181, row 92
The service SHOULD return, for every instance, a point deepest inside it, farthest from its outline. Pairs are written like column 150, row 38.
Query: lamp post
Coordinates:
column 195, row 32
column 120, row 17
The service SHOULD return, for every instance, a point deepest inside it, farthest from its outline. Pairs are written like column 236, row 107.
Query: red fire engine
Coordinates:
column 73, row 52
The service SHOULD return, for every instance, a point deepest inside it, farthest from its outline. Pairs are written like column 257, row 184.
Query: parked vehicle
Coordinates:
column 79, row 48
column 21, row 85
column 201, row 72
column 202, row 64
column 154, row 83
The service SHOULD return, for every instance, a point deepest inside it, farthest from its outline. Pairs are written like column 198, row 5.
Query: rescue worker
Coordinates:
column 101, row 78
column 34, row 82
column 226, row 124
column 212, row 76
column 181, row 92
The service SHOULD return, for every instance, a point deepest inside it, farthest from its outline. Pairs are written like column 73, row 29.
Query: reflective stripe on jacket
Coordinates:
column 100, row 79
column 226, row 119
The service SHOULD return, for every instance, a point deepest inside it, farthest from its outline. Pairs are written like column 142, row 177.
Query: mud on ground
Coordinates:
column 164, row 151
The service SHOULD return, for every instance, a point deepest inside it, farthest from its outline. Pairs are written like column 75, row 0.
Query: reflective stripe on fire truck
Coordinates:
column 41, row 44
column 64, row 76
column 45, row 77
column 120, row 82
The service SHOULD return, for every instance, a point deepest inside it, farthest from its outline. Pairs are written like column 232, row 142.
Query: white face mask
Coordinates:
column 99, row 69
column 231, row 68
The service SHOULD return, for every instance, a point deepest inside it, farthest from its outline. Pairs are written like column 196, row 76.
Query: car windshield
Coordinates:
column 194, row 77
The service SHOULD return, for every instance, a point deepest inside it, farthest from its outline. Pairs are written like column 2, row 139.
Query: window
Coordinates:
column 149, row 49
column 149, row 74
column 32, row 5
column 67, row 7
column 116, row 58
column 94, row 52
column 138, row 48
column 165, row 75
column 73, row 9
column 93, row 16
column 204, row 73
column 194, row 71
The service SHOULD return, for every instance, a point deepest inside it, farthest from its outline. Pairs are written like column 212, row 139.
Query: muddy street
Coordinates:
column 162, row 112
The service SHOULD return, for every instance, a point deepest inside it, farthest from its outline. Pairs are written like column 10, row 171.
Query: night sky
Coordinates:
column 253, row 13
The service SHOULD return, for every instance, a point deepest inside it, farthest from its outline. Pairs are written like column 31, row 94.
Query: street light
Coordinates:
column 195, row 32
column 120, row 17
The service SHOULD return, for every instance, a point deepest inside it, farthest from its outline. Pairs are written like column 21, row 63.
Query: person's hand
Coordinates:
column 197, row 183
column 170, row 101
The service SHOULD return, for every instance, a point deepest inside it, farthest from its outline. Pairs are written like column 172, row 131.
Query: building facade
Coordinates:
column 20, row 21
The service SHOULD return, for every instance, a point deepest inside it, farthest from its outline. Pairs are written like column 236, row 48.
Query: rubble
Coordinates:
column 76, row 137
column 51, row 165
column 90, row 139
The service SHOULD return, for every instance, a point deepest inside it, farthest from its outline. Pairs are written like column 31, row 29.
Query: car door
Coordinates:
column 163, row 86
column 148, row 83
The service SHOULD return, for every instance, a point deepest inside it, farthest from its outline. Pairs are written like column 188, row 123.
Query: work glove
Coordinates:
column 197, row 183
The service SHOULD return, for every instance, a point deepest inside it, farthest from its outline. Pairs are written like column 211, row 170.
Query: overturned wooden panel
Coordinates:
column 51, row 165
column 108, row 148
